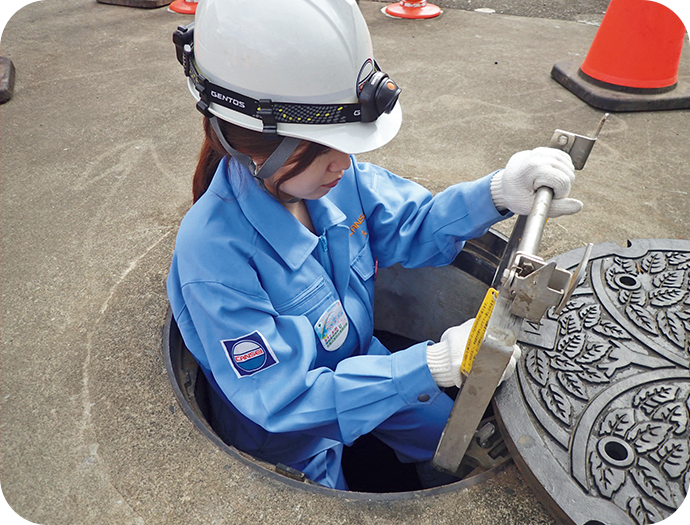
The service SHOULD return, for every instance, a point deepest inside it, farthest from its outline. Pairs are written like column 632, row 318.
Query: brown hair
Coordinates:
column 250, row 143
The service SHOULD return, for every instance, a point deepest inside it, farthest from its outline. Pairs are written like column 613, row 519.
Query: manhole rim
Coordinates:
column 204, row 428
column 484, row 250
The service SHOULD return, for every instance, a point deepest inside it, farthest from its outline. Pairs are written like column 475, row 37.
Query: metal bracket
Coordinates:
column 577, row 146
column 536, row 286
column 578, row 274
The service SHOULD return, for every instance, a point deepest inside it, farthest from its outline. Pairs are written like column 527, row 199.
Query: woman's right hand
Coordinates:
column 515, row 187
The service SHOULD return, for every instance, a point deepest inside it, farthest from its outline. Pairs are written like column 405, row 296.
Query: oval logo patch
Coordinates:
column 332, row 327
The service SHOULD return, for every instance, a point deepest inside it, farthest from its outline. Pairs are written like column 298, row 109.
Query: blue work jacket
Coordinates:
column 281, row 319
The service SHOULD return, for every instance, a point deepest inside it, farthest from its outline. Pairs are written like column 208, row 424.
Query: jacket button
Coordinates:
column 423, row 398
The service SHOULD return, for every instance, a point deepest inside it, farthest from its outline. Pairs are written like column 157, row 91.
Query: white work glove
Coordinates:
column 514, row 188
column 445, row 357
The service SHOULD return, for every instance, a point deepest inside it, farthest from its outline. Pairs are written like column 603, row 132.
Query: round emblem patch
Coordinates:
column 248, row 355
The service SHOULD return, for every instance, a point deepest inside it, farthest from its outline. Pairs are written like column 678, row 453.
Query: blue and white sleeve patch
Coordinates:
column 249, row 354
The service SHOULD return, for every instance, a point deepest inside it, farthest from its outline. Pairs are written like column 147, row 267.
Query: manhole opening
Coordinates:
column 369, row 465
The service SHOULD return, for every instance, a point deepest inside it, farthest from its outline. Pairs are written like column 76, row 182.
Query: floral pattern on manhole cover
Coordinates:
column 598, row 415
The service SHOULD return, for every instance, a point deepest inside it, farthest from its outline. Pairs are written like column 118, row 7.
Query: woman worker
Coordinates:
column 272, row 278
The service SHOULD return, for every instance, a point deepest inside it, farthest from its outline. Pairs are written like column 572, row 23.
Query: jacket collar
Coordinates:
column 291, row 240
column 325, row 214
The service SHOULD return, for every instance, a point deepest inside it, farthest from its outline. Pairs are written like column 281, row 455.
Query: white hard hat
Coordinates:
column 298, row 68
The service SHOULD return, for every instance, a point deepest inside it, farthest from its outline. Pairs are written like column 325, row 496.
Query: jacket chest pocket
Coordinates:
column 320, row 305
column 310, row 302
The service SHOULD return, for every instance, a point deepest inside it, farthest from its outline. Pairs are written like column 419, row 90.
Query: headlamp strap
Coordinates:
column 270, row 112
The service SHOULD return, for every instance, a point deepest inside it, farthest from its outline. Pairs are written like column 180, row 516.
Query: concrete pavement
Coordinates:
column 98, row 145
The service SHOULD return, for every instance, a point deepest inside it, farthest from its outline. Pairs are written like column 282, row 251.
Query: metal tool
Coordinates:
column 524, row 287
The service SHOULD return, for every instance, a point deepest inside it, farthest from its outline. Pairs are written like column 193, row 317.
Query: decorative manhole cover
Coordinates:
column 598, row 415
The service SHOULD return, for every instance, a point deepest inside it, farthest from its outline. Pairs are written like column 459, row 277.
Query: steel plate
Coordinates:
column 597, row 416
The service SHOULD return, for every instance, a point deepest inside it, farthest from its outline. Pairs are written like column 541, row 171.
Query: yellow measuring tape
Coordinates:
column 474, row 341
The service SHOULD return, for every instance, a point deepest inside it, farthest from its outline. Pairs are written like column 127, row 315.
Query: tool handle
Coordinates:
column 536, row 220
column 527, row 233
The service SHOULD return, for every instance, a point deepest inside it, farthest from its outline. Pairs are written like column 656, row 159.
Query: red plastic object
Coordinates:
column 413, row 10
column 183, row 7
column 638, row 45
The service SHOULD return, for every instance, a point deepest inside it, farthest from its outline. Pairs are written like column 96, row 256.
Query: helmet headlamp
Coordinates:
column 378, row 96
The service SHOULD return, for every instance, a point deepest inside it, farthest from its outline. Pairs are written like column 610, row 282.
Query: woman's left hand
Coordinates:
column 515, row 187
column 444, row 358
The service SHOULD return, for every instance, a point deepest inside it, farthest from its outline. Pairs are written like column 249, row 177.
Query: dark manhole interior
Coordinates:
column 369, row 465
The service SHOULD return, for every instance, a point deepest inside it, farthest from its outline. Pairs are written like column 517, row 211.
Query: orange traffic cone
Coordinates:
column 412, row 9
column 144, row 4
column 632, row 64
column 184, row 7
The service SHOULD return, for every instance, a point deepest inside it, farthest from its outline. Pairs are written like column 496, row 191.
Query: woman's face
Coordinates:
column 317, row 180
